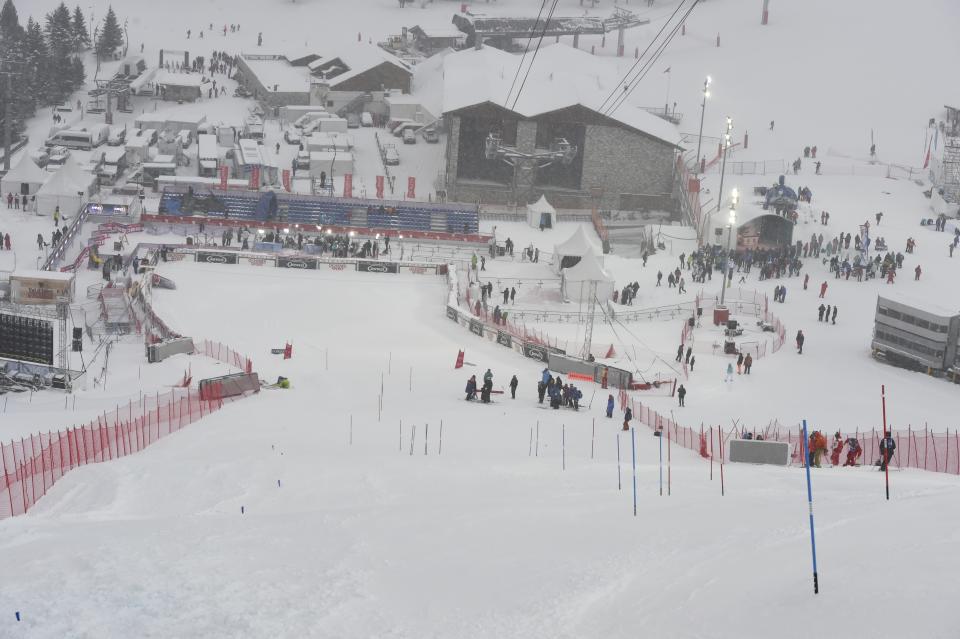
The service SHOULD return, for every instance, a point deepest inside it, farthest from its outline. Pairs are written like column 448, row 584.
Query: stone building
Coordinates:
column 624, row 159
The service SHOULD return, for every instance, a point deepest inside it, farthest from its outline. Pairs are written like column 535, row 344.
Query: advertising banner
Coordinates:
column 535, row 351
column 336, row 266
column 255, row 178
column 379, row 187
column 286, row 180
column 452, row 313
column 257, row 260
column 476, row 327
column 297, row 262
column 418, row 269
column 224, row 174
column 348, row 185
column 505, row 339
column 411, row 187
column 216, row 258
column 41, row 288
column 377, row 267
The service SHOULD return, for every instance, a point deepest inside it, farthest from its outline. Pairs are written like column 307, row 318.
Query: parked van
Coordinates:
column 84, row 139
column 118, row 135
column 366, row 119
column 307, row 118
column 150, row 135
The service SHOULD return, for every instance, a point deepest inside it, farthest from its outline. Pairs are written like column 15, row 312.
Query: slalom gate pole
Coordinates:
column 530, row 447
column 720, row 436
column 661, row 462
column 593, row 434
column 885, row 454
column 351, row 430
column 440, row 447
column 813, row 539
column 401, row 435
column 619, row 483
column 536, row 450
column 563, row 445
column 711, row 453
column 413, row 436
column 668, row 462
column 426, row 439
column 633, row 446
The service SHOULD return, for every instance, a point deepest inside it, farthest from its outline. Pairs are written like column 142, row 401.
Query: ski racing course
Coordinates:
column 370, row 499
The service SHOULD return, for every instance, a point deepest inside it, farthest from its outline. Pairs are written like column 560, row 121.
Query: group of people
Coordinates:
column 21, row 201
column 559, row 394
column 817, row 448
column 485, row 390
column 824, row 314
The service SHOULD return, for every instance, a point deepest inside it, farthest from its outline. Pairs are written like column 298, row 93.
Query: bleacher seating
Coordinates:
column 328, row 211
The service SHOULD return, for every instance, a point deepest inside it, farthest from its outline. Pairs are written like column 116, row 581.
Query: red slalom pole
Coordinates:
column 885, row 453
column 720, row 435
column 711, row 453
column 668, row 462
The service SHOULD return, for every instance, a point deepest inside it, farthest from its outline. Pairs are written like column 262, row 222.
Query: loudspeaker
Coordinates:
column 77, row 332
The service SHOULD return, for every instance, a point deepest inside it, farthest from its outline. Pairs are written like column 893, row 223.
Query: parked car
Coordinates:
column 409, row 137
column 353, row 121
column 291, row 136
column 391, row 157
column 431, row 136
column 366, row 119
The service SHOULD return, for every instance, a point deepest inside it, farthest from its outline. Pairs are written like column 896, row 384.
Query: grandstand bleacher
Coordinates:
column 283, row 208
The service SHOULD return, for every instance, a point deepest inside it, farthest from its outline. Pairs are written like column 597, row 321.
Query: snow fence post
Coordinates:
column 633, row 447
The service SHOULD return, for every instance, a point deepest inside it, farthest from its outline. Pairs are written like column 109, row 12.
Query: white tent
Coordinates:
column 576, row 279
column 576, row 246
column 25, row 178
column 540, row 212
column 68, row 189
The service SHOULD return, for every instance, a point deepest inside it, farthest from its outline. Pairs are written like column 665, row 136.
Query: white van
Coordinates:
column 307, row 118
column 366, row 119
column 150, row 135
column 83, row 139
column 118, row 136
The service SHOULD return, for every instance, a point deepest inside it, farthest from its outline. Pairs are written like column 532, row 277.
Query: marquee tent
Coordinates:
column 567, row 254
column 68, row 189
column 541, row 213
column 576, row 279
column 24, row 179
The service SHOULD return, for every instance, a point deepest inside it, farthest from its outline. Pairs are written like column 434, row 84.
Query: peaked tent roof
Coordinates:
column 69, row 180
column 27, row 171
column 588, row 269
column 542, row 206
column 577, row 245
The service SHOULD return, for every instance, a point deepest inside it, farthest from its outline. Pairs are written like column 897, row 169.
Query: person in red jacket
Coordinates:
column 853, row 451
column 823, row 289
column 837, row 449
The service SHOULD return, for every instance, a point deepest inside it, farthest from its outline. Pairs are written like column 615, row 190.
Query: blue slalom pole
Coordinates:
column 813, row 539
column 661, row 463
column 619, row 483
column 633, row 446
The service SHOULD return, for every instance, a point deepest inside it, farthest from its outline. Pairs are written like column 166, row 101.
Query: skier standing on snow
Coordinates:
column 680, row 352
column 681, row 394
column 471, row 388
column 834, row 318
column 739, row 363
column 729, row 375
column 610, row 406
column 837, row 449
column 627, row 416
column 820, row 312
column 800, row 340
column 747, row 363
column 513, row 387
column 887, row 448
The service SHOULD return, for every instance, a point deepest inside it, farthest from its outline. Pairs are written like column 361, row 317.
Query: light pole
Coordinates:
column 703, row 110
column 734, row 198
column 723, row 164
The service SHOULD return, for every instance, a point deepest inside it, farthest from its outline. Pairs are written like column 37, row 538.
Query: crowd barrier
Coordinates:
column 34, row 464
column 916, row 448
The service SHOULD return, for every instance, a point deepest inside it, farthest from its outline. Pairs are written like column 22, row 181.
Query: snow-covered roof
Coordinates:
column 358, row 58
column 576, row 245
column 920, row 303
column 561, row 77
column 69, row 180
column 542, row 206
column 446, row 30
column 171, row 78
column 427, row 83
column 280, row 74
column 26, row 172
column 42, row 275
column 588, row 269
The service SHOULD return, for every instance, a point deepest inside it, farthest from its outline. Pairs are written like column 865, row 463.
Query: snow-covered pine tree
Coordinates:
column 59, row 31
column 81, row 35
column 111, row 36
column 10, row 21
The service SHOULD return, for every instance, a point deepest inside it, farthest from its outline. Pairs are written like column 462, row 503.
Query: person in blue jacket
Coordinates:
column 471, row 388
column 610, row 406
column 545, row 377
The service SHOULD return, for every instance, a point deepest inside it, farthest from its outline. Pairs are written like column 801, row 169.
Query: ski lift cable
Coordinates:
column 516, row 75
column 639, row 341
column 631, row 86
column 623, row 82
column 533, row 58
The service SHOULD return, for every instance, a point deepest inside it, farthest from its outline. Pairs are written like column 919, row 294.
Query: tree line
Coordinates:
column 45, row 60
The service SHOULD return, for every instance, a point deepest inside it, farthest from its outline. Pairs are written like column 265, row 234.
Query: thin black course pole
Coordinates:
column 885, row 454
column 619, row 482
column 813, row 539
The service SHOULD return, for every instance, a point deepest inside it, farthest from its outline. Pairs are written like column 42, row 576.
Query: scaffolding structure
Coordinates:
column 951, row 169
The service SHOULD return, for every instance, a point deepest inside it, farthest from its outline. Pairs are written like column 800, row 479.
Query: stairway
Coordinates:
column 438, row 222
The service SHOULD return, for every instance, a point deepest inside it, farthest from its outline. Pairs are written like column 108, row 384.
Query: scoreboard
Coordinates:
column 26, row 338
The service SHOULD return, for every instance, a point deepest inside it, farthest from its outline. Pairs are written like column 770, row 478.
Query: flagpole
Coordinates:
column 666, row 106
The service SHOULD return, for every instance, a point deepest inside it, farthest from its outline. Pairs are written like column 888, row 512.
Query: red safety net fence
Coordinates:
column 223, row 353
column 33, row 465
column 916, row 448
